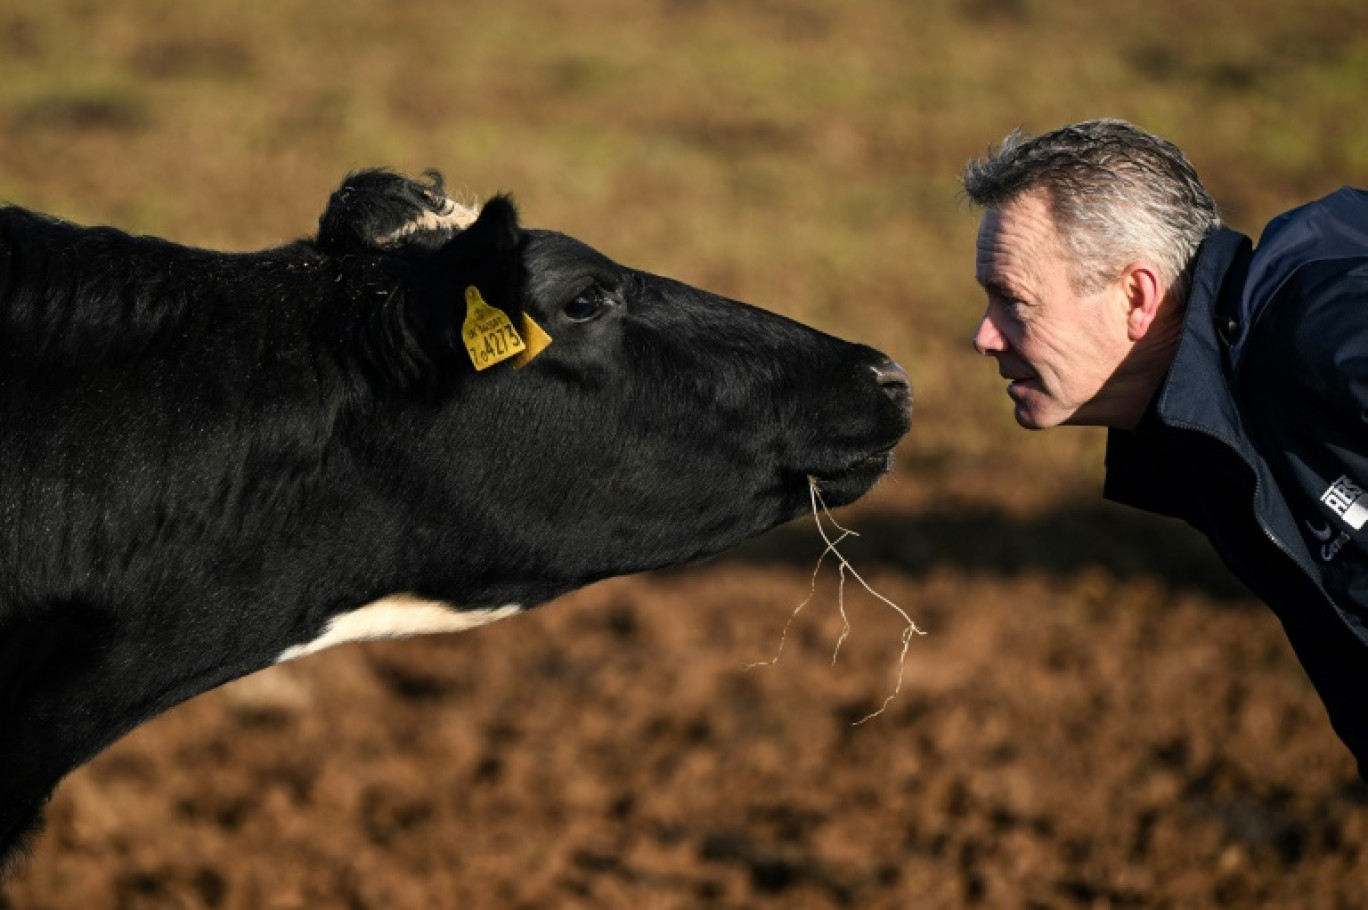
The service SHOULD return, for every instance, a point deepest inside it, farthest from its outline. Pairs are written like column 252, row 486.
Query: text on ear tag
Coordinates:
column 489, row 335
column 536, row 339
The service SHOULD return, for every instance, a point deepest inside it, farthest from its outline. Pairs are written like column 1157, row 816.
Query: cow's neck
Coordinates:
column 73, row 681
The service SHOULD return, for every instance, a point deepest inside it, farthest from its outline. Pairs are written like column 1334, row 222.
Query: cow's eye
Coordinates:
column 589, row 303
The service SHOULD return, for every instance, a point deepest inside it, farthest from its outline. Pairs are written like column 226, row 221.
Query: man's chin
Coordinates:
column 1028, row 411
column 1031, row 416
column 1028, row 420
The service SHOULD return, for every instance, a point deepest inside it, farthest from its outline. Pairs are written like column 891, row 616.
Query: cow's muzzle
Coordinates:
column 895, row 384
column 863, row 469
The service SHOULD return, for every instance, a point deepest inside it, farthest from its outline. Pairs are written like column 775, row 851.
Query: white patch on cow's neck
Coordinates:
column 400, row 616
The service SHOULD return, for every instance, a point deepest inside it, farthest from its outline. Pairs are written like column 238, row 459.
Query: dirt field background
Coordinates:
column 1098, row 716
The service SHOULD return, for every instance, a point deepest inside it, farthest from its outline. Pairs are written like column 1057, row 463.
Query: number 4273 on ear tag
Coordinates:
column 488, row 333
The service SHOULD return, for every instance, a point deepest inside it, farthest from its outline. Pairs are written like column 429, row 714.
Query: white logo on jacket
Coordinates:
column 1344, row 498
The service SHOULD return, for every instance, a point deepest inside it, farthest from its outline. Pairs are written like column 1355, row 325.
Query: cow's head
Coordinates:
column 660, row 425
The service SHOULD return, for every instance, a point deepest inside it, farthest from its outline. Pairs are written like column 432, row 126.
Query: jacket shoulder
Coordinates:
column 1314, row 332
column 1306, row 291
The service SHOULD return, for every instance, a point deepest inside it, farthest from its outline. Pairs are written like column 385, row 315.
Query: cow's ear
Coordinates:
column 486, row 255
column 379, row 211
column 494, row 233
column 419, row 344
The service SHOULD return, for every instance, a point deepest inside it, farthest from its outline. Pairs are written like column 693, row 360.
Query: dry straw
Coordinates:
column 819, row 508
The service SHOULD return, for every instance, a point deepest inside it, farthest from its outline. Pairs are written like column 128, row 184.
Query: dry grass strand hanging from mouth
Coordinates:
column 819, row 508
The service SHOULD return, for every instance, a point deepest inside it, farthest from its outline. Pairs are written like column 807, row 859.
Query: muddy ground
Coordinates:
column 1105, row 721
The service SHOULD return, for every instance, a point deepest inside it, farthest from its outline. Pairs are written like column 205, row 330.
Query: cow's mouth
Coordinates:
column 850, row 483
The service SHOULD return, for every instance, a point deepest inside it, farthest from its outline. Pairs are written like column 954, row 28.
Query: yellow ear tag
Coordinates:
column 489, row 335
column 536, row 339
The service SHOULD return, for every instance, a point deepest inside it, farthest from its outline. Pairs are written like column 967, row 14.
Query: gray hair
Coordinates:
column 1117, row 193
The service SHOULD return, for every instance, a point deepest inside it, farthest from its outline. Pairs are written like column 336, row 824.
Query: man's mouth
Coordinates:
column 1014, row 373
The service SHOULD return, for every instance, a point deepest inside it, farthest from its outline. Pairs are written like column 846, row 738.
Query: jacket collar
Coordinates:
column 1196, row 392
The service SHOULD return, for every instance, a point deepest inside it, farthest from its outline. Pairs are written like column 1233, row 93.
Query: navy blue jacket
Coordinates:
column 1258, row 436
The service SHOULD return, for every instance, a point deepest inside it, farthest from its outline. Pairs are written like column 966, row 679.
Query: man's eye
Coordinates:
column 587, row 304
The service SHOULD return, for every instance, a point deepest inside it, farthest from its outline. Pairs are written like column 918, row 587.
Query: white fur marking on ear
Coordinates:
column 400, row 616
column 452, row 217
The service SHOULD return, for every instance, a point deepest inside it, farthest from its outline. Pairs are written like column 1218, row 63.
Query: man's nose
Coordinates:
column 988, row 340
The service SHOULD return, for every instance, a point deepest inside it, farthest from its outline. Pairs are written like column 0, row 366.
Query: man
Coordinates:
column 1234, row 381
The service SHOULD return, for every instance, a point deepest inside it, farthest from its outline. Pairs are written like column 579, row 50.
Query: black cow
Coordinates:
column 212, row 462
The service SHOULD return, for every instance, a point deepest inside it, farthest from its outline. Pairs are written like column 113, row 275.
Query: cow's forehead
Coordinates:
column 553, row 250
column 555, row 260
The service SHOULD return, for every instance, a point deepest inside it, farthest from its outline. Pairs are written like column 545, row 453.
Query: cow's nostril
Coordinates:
column 893, row 380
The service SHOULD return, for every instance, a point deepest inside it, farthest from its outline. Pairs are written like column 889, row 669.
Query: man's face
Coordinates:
column 1057, row 347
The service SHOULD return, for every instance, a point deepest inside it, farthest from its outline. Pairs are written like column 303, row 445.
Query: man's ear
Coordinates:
column 1144, row 292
